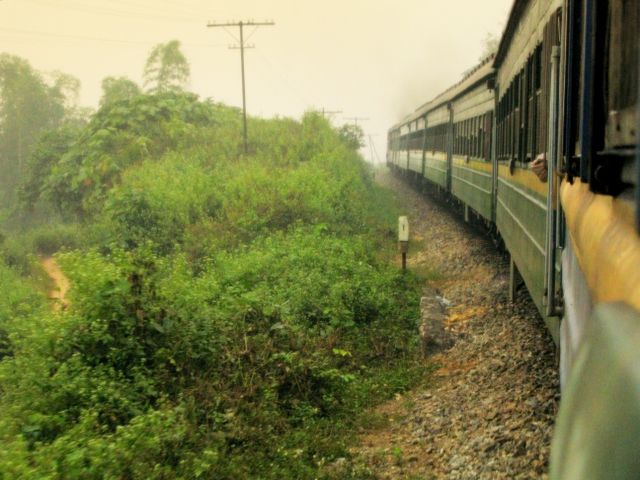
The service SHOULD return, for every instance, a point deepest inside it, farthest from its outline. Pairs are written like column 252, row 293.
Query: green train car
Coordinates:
column 541, row 142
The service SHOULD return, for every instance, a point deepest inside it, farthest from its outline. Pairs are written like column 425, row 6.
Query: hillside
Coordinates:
column 230, row 315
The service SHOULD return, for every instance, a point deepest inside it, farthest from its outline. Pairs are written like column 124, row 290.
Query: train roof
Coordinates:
column 517, row 10
column 480, row 73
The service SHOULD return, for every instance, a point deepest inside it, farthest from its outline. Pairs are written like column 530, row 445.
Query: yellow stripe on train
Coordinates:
column 606, row 243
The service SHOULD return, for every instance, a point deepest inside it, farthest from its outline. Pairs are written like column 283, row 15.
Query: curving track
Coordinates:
column 490, row 409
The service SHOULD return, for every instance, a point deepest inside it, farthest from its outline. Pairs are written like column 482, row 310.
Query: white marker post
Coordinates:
column 403, row 239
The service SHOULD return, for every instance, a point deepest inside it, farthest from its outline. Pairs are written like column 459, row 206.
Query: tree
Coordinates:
column 27, row 107
column 116, row 89
column 490, row 46
column 352, row 135
column 166, row 68
column 46, row 154
column 64, row 89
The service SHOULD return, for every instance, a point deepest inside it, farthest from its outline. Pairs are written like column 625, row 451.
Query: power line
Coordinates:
column 101, row 10
column 97, row 39
column 242, row 46
column 324, row 112
column 356, row 119
column 291, row 87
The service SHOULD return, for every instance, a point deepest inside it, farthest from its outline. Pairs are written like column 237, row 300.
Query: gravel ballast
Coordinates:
column 489, row 410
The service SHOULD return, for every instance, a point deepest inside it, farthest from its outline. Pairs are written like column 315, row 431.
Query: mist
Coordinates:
column 375, row 60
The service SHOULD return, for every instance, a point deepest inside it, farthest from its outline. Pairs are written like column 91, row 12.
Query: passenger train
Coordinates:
column 540, row 142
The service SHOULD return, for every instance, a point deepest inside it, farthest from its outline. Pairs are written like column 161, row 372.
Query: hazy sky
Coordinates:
column 377, row 59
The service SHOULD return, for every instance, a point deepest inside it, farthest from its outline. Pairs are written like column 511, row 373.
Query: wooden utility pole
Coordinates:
column 372, row 149
column 242, row 46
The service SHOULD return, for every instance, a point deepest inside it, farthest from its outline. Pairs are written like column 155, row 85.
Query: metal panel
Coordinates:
column 521, row 220
column 597, row 432
column 602, row 231
column 471, row 183
column 415, row 161
column 435, row 168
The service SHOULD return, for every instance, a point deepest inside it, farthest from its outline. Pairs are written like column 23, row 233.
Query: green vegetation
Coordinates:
column 231, row 315
column 29, row 105
column 166, row 68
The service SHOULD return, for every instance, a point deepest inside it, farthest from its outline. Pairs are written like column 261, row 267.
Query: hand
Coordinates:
column 539, row 167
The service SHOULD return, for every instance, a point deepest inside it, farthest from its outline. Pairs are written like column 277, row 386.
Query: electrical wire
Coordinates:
column 290, row 88
column 98, row 39
column 123, row 15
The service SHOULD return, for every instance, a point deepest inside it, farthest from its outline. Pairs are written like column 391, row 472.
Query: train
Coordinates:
column 540, row 143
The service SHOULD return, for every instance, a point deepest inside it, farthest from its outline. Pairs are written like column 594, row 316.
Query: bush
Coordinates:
column 230, row 315
column 18, row 303
column 47, row 240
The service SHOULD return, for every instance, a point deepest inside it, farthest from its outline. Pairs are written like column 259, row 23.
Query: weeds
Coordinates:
column 231, row 316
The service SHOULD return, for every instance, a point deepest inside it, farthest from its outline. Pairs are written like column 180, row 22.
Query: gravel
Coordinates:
column 489, row 409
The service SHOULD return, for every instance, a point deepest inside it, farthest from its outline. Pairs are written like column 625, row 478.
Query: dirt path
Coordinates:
column 489, row 412
column 60, row 283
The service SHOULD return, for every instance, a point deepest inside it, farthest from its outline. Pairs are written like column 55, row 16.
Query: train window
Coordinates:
column 473, row 138
column 488, row 132
column 621, row 90
column 476, row 137
column 507, row 133
column 455, row 139
column 479, row 137
column 467, row 135
column 481, row 152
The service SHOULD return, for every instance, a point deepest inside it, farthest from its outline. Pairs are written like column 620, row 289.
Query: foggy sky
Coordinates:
column 378, row 59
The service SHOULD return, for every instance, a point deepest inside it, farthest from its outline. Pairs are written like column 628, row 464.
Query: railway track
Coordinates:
column 489, row 411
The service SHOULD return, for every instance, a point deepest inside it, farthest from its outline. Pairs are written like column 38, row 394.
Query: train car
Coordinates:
column 398, row 145
column 597, row 432
column 447, row 141
column 471, row 165
column 415, row 146
column 437, row 134
column 393, row 147
column 526, row 81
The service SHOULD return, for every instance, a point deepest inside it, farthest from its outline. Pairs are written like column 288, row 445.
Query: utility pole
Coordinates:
column 242, row 46
column 372, row 149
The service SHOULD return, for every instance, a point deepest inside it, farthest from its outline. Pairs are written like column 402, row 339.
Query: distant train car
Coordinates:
column 526, row 82
column 471, row 141
column 437, row 158
column 447, row 141
column 565, row 89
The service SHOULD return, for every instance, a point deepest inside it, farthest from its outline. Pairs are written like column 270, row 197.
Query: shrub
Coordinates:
column 230, row 315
